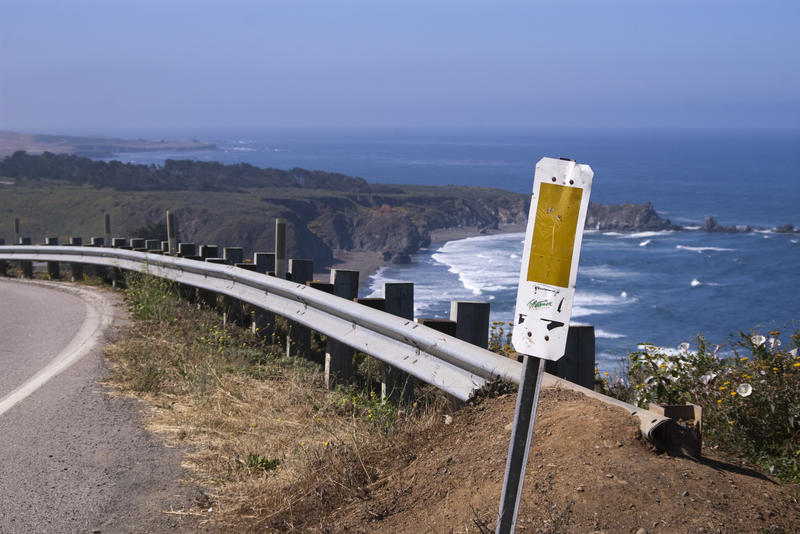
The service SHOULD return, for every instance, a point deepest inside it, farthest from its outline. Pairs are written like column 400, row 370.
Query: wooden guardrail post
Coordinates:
column 187, row 249
column 152, row 245
column 233, row 255
column 280, row 248
column 76, row 269
column 98, row 271
column 472, row 321
column 209, row 251
column 53, row 267
column 3, row 263
column 298, row 338
column 206, row 297
column 338, row 356
column 107, row 229
column 265, row 262
column 171, row 239
column 398, row 386
column 138, row 244
column 16, row 232
column 26, row 265
column 577, row 364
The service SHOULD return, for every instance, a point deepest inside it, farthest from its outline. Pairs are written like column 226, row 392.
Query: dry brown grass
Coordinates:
column 275, row 449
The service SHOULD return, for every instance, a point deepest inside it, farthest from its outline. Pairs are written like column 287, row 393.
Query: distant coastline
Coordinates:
column 90, row 147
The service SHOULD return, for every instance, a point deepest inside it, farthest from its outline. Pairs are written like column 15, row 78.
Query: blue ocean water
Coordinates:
column 658, row 288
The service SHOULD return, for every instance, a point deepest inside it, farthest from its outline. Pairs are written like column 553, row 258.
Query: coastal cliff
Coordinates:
column 328, row 213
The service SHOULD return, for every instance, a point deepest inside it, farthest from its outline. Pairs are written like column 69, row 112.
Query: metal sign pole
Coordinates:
column 544, row 303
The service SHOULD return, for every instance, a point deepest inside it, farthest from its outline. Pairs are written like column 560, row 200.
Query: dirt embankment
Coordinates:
column 588, row 472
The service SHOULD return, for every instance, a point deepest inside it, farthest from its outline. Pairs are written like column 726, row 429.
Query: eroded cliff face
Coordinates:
column 626, row 218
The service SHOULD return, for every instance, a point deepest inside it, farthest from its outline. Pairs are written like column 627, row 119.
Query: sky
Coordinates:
column 111, row 66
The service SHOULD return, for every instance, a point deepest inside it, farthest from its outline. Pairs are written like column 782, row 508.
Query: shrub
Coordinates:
column 750, row 400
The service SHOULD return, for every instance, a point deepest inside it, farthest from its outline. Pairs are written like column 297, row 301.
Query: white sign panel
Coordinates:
column 550, row 259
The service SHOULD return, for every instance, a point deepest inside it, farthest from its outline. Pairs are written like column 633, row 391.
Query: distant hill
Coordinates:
column 235, row 205
column 97, row 147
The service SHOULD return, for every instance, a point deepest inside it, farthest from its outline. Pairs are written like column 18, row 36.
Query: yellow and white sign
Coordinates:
column 550, row 259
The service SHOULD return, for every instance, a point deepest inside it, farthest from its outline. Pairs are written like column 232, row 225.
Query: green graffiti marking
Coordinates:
column 536, row 304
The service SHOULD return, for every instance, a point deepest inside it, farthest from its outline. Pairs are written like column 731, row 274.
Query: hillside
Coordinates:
column 235, row 205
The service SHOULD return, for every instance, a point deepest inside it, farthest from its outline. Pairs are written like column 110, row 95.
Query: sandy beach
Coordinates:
column 368, row 263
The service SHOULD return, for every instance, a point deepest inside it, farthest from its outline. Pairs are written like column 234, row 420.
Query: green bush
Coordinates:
column 750, row 400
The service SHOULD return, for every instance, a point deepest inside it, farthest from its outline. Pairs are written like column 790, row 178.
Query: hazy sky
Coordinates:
column 111, row 65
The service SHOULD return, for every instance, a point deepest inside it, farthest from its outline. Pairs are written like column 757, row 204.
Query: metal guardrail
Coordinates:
column 450, row 364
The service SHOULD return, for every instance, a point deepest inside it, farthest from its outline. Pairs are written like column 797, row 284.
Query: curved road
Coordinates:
column 73, row 459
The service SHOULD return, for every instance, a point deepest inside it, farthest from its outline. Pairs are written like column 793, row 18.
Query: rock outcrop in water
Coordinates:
column 626, row 218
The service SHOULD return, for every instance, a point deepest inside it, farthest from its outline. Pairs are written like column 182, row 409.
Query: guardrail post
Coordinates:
column 577, row 364
column 137, row 243
column 98, row 271
column 338, row 356
column 152, row 245
column 472, row 321
column 53, row 267
column 265, row 262
column 233, row 255
column 107, row 228
column 206, row 297
column 298, row 338
column 3, row 263
column 280, row 248
column 16, row 232
column 445, row 326
column 209, row 251
column 187, row 249
column 398, row 386
column 171, row 239
column 76, row 269
column 26, row 266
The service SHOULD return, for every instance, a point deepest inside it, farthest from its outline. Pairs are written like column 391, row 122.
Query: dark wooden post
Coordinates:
column 280, row 248
column 16, row 232
column 53, row 267
column 187, row 249
column 233, row 255
column 3, row 263
column 472, row 321
column 398, row 386
column 265, row 262
column 76, row 269
column 152, row 245
column 107, row 228
column 26, row 266
column 577, row 364
column 206, row 297
column 209, row 251
column 298, row 339
column 338, row 356
column 98, row 271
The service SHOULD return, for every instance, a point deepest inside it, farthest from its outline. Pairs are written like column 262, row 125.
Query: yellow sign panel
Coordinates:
column 554, row 234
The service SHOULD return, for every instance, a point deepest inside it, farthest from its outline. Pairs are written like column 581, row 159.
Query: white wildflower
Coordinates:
column 793, row 352
column 774, row 342
column 758, row 340
column 744, row 390
column 708, row 377
column 684, row 347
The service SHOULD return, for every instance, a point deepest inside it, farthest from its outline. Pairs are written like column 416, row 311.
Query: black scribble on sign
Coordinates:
column 552, row 325
column 522, row 318
column 559, row 305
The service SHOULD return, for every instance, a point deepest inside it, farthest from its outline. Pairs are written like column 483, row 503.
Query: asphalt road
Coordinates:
column 73, row 458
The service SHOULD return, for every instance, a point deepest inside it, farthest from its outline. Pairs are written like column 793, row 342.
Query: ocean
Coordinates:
column 660, row 288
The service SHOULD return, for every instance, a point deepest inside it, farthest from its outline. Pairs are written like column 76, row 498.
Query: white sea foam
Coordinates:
column 793, row 241
column 588, row 303
column 602, row 334
column 637, row 235
column 243, row 149
column 692, row 227
column 604, row 272
column 611, row 233
column 695, row 282
column 479, row 270
column 704, row 249
column 645, row 243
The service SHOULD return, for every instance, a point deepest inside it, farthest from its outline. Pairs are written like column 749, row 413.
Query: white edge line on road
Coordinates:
column 98, row 318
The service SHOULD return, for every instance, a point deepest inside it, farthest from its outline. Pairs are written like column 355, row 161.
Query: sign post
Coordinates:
column 546, row 289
